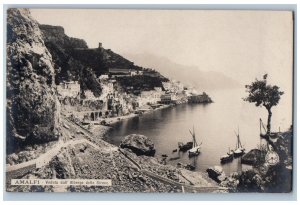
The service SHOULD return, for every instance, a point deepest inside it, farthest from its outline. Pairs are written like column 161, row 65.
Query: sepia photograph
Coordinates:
column 149, row 100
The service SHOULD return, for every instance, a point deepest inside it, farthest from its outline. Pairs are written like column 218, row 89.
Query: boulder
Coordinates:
column 14, row 157
column 139, row 144
column 216, row 173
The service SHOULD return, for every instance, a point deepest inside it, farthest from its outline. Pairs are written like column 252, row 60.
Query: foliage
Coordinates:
column 278, row 179
column 263, row 94
column 89, row 81
column 249, row 181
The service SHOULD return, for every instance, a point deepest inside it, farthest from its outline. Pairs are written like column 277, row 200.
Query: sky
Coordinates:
column 241, row 44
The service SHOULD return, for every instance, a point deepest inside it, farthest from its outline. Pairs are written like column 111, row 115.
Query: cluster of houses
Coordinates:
column 116, row 102
column 69, row 89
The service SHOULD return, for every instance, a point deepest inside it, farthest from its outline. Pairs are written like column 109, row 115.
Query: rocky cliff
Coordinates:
column 56, row 34
column 32, row 106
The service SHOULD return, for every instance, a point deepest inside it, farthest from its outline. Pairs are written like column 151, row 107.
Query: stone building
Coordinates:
column 69, row 89
column 119, row 72
column 167, row 98
column 150, row 97
column 89, row 95
column 103, row 77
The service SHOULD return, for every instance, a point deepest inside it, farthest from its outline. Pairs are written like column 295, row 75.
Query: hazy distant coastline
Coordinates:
column 191, row 75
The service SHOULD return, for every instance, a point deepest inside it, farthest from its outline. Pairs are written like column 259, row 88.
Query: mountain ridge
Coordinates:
column 205, row 80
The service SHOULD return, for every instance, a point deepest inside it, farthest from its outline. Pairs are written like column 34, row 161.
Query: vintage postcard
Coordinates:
column 176, row 101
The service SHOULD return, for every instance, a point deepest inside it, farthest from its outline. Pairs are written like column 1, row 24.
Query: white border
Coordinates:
column 130, row 2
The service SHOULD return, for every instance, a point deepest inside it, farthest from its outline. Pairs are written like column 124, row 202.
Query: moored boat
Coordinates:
column 196, row 148
column 194, row 151
column 228, row 157
column 239, row 150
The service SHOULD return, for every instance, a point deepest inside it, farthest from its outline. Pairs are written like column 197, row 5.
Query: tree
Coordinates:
column 265, row 95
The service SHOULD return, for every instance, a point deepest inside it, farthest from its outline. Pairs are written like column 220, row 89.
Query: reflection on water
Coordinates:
column 214, row 125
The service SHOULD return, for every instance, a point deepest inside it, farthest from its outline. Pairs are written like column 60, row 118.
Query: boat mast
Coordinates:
column 239, row 141
column 238, row 144
column 238, row 136
column 195, row 142
column 194, row 137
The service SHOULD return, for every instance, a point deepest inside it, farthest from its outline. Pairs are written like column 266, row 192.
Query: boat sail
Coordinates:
column 239, row 150
column 196, row 148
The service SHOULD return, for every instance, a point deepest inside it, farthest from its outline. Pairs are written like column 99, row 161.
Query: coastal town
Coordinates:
column 117, row 102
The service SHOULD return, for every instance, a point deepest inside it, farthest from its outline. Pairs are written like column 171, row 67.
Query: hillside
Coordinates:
column 191, row 75
column 75, row 61
column 67, row 67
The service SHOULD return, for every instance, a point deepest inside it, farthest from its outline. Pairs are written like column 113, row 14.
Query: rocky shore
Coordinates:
column 264, row 176
column 101, row 160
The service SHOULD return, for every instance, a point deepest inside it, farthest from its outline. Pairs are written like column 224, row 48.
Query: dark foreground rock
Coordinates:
column 139, row 144
column 254, row 156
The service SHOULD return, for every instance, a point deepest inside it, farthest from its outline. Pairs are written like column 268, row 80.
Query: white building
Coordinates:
column 89, row 95
column 150, row 97
column 133, row 72
column 69, row 89
column 167, row 85
column 103, row 77
column 158, row 89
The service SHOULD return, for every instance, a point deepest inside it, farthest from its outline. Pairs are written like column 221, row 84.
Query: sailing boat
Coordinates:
column 239, row 150
column 196, row 148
